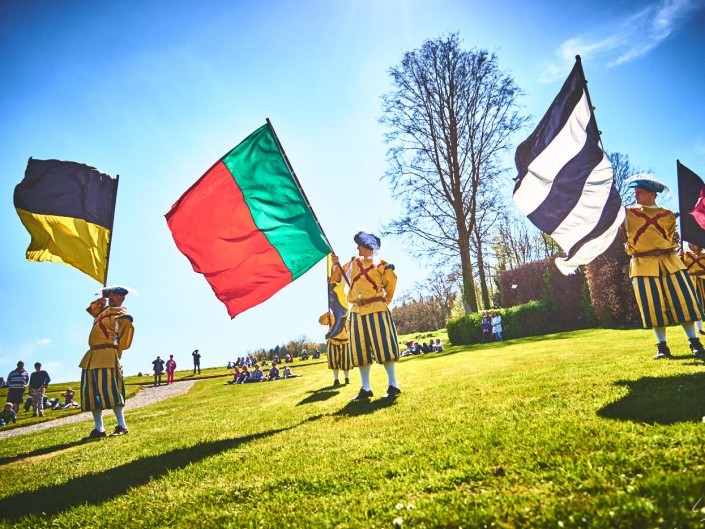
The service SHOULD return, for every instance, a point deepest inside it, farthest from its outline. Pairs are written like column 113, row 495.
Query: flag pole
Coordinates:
column 110, row 241
column 303, row 194
column 587, row 93
column 298, row 184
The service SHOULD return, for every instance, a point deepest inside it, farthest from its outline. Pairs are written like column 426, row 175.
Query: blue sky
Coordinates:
column 158, row 91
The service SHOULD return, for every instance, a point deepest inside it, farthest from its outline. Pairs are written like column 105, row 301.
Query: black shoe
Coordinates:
column 701, row 332
column 336, row 383
column 696, row 347
column 119, row 430
column 363, row 395
column 663, row 351
column 97, row 434
column 392, row 392
column 347, row 381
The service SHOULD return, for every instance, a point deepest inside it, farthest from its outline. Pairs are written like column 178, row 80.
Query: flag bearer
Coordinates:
column 338, row 350
column 102, row 385
column 694, row 261
column 664, row 292
column 373, row 337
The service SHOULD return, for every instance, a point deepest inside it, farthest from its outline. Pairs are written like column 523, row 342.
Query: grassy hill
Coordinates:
column 578, row 429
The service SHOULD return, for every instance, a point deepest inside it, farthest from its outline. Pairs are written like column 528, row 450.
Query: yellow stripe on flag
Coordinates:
column 67, row 240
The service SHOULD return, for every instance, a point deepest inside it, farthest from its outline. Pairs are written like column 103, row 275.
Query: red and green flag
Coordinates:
column 246, row 224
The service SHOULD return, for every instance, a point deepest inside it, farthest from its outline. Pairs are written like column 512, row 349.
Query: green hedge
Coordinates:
column 534, row 318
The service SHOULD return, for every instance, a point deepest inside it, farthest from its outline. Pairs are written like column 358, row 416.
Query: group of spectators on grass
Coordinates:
column 491, row 327
column 416, row 348
column 17, row 383
column 245, row 375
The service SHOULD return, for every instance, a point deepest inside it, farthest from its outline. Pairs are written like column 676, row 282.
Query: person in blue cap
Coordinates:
column 664, row 291
column 373, row 337
column 102, row 384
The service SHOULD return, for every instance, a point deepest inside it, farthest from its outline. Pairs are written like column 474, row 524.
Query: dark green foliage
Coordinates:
column 560, row 303
column 611, row 289
column 529, row 319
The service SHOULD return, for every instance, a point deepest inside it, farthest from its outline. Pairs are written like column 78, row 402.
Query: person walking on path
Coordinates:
column 17, row 381
column 38, row 382
column 373, row 337
column 196, row 361
column 102, row 383
column 170, row 368
column 664, row 291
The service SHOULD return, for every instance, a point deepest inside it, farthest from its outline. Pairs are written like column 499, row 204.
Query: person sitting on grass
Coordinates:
column 236, row 375
column 244, row 375
column 69, row 402
column 438, row 346
column 256, row 375
column 8, row 415
column 288, row 374
column 273, row 373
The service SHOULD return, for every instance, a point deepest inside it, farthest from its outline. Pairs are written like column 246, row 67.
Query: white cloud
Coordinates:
column 622, row 40
column 44, row 341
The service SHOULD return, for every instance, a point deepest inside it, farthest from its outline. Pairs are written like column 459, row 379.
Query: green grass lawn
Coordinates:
column 578, row 429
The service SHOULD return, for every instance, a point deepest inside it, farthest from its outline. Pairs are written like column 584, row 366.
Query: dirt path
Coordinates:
column 148, row 395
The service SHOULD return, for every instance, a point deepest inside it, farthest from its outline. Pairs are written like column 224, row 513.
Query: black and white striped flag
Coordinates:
column 565, row 183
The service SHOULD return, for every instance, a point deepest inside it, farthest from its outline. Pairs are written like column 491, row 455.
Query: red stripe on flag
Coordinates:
column 699, row 210
column 213, row 227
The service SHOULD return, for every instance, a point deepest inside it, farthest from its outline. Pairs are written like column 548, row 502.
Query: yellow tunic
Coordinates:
column 649, row 229
column 695, row 263
column 111, row 334
column 340, row 338
column 372, row 283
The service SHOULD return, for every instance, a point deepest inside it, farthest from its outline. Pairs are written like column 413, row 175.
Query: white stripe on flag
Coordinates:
column 565, row 183
column 536, row 185
column 591, row 249
column 587, row 212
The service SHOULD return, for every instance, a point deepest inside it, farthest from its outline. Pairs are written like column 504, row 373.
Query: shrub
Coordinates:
column 611, row 289
column 529, row 319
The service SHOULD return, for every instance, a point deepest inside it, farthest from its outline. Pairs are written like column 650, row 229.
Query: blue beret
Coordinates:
column 120, row 291
column 367, row 240
column 650, row 185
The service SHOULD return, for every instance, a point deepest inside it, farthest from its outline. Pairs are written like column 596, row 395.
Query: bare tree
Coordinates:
column 450, row 116
column 517, row 243
column 428, row 306
column 623, row 169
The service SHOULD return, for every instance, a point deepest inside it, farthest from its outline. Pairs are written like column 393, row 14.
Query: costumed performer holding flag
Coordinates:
column 694, row 261
column 338, row 350
column 664, row 292
column 373, row 337
column 102, row 383
column 337, row 321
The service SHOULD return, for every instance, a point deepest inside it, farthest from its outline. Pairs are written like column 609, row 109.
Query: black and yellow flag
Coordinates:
column 68, row 208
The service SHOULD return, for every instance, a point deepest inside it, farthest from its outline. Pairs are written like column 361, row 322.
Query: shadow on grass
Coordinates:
column 319, row 395
column 363, row 407
column 94, row 489
column 666, row 400
column 41, row 452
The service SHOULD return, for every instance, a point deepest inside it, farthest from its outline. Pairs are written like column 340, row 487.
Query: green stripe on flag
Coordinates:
column 277, row 205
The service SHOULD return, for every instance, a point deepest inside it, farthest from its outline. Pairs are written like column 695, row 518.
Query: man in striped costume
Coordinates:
column 338, row 349
column 373, row 337
column 102, row 384
column 694, row 261
column 664, row 291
